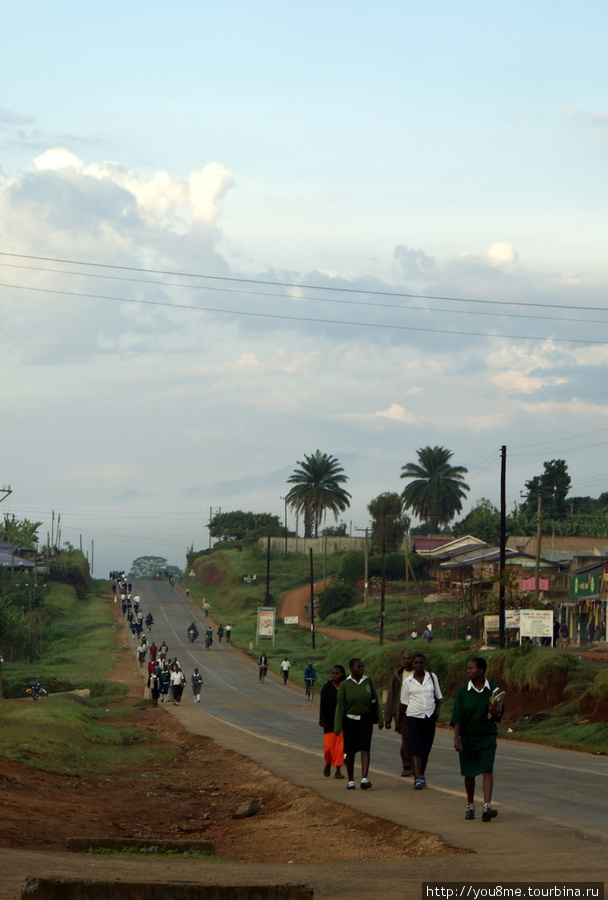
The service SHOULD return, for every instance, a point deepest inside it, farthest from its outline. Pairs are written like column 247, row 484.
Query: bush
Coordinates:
column 335, row 597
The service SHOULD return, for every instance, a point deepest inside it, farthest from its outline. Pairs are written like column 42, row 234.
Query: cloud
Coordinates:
column 502, row 255
column 397, row 413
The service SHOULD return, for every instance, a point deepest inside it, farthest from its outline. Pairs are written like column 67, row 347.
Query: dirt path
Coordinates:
column 297, row 603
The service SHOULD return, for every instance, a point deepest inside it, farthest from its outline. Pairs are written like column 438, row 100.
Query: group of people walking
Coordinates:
column 350, row 708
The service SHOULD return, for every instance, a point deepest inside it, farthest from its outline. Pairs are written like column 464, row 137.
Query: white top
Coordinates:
column 285, row 665
column 420, row 698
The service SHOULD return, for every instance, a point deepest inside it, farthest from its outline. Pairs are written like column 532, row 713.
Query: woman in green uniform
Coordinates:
column 474, row 718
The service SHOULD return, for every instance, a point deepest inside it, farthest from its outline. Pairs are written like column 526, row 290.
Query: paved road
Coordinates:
column 555, row 787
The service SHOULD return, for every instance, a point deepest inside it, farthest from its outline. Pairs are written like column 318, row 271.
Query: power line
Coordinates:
column 283, row 296
column 306, row 286
column 310, row 319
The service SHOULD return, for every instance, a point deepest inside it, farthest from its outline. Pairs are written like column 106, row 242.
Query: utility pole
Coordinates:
column 218, row 512
column 502, row 642
column 285, row 499
column 267, row 570
column 366, row 575
column 312, row 601
column 383, row 580
column 539, row 531
column 5, row 491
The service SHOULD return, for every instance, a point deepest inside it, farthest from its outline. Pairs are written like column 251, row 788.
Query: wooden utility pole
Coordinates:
column 539, row 531
column 502, row 640
column 267, row 570
column 383, row 580
column 312, row 601
column 366, row 570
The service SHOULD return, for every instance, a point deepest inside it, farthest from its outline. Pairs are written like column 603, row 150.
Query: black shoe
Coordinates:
column 365, row 784
column 470, row 813
column 327, row 770
column 488, row 814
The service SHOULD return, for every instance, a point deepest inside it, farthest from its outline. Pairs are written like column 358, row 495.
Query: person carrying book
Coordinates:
column 477, row 708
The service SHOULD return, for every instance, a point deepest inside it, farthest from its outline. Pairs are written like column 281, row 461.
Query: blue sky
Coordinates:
column 438, row 150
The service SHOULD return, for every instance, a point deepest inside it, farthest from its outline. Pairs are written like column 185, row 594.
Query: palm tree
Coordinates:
column 317, row 489
column 438, row 489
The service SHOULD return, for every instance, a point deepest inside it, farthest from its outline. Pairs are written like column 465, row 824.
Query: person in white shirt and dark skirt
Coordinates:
column 418, row 712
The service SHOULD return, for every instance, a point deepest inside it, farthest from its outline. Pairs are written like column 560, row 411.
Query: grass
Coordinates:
column 66, row 734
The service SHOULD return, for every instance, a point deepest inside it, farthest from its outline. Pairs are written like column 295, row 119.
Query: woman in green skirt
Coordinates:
column 474, row 718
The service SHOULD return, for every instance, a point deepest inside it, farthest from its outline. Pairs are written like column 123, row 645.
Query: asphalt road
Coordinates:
column 553, row 787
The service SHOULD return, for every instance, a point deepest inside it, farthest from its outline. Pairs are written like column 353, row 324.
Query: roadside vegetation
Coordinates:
column 67, row 733
column 552, row 697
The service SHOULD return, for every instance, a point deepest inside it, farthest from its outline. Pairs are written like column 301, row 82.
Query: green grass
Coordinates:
column 64, row 733
column 79, row 643
column 65, row 736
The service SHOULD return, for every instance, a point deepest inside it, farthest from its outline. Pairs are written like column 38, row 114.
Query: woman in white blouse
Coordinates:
column 418, row 713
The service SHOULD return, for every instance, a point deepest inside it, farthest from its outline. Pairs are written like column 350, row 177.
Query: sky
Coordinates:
column 233, row 234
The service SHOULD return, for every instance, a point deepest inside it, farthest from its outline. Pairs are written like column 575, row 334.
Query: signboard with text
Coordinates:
column 585, row 585
column 536, row 623
column 266, row 618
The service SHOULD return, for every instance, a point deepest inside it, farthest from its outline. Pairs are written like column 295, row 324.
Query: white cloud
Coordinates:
column 502, row 255
column 397, row 413
column 58, row 158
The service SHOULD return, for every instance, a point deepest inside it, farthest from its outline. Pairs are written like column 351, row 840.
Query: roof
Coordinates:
column 424, row 544
column 455, row 547
column 576, row 546
column 17, row 562
column 475, row 557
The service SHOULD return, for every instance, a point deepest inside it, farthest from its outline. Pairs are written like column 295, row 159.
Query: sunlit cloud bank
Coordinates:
column 148, row 383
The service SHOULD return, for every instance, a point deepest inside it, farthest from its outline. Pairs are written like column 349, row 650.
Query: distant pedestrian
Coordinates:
column 177, row 683
column 228, row 633
column 564, row 636
column 590, row 631
column 220, row 632
column 197, row 680
column 141, row 654
column 206, row 607
column 285, row 667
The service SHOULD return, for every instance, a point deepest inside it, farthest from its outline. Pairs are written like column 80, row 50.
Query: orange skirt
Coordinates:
column 333, row 749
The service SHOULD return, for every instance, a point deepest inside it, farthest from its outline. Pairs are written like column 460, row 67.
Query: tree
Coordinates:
column 553, row 486
column 147, row 566
column 437, row 490
column 239, row 525
column 340, row 530
column 388, row 519
column 317, row 490
column 20, row 532
column 482, row 522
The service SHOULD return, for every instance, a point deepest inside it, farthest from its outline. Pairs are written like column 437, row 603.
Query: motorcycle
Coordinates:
column 35, row 690
column 192, row 634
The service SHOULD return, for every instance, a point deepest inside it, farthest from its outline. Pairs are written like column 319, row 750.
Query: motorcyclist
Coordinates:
column 192, row 631
column 149, row 621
